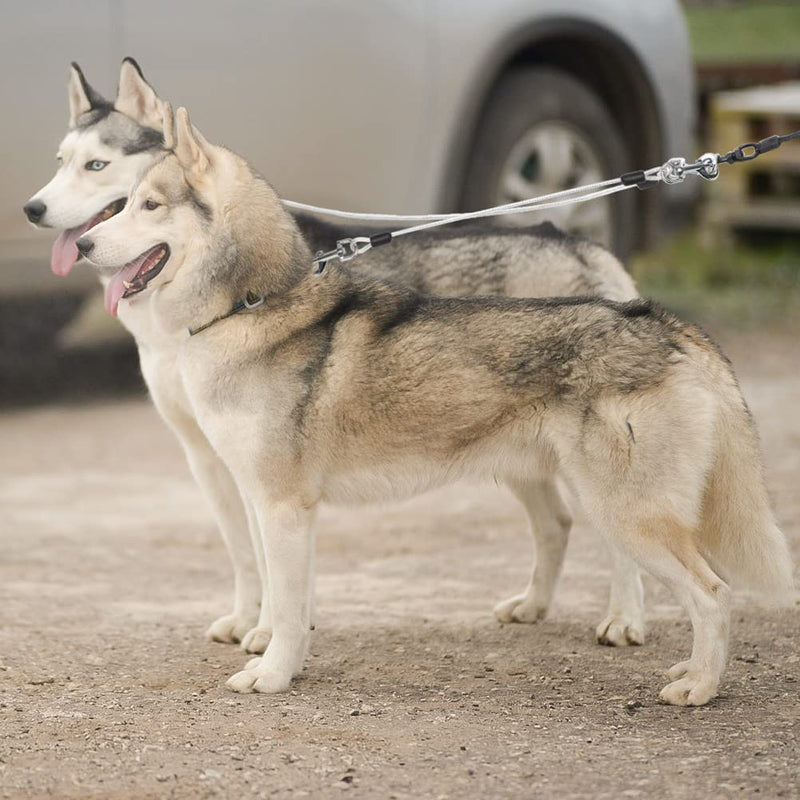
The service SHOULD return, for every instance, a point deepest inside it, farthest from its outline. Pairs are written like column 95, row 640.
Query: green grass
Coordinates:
column 725, row 286
column 747, row 31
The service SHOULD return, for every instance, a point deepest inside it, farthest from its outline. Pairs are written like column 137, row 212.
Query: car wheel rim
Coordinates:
column 551, row 157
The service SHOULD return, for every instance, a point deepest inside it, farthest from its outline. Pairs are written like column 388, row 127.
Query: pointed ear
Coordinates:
column 136, row 98
column 169, row 127
column 190, row 146
column 82, row 97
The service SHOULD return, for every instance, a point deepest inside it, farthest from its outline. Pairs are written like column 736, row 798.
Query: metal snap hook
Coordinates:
column 710, row 169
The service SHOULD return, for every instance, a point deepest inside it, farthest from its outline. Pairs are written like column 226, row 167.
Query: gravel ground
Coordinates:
column 111, row 570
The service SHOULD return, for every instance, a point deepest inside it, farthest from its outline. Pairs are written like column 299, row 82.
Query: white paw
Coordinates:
column 694, row 689
column 253, row 663
column 259, row 680
column 678, row 670
column 256, row 640
column 620, row 632
column 229, row 629
column 520, row 608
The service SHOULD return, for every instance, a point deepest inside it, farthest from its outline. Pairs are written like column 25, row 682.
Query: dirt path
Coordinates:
column 110, row 570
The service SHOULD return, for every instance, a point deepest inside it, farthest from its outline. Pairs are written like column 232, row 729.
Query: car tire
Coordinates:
column 533, row 109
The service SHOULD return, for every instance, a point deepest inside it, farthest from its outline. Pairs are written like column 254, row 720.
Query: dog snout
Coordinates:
column 84, row 245
column 34, row 210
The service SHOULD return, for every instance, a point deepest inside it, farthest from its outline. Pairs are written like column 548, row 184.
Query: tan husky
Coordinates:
column 107, row 147
column 338, row 388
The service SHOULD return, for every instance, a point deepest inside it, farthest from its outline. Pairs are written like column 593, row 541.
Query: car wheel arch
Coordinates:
column 588, row 52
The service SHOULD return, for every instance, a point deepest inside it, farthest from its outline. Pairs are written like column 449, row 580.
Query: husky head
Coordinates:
column 106, row 148
column 200, row 219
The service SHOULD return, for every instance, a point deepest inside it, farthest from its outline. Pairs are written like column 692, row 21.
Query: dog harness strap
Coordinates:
column 251, row 300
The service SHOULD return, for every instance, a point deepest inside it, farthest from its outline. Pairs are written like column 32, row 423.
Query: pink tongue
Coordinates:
column 116, row 288
column 65, row 253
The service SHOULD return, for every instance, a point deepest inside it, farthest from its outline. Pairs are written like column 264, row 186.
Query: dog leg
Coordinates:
column 229, row 512
column 624, row 623
column 286, row 530
column 257, row 638
column 706, row 598
column 666, row 548
column 550, row 522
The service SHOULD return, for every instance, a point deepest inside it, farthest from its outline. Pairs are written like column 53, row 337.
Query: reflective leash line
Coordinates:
column 672, row 171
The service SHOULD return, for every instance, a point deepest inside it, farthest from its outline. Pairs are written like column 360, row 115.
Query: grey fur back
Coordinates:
column 484, row 258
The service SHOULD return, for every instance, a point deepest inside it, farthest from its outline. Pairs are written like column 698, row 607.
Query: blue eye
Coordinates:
column 96, row 166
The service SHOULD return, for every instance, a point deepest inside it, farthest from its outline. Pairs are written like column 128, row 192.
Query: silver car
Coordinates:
column 414, row 106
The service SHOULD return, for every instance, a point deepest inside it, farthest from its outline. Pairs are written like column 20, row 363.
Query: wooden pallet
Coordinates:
column 764, row 193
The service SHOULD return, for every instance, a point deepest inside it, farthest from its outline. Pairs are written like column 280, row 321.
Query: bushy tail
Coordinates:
column 738, row 531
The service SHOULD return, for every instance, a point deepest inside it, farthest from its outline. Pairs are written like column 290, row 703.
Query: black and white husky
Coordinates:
column 108, row 146
column 336, row 387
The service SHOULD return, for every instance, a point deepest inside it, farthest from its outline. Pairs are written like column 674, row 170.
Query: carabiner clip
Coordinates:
column 710, row 169
column 673, row 171
column 346, row 250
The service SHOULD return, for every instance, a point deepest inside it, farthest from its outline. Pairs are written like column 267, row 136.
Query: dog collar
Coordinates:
column 251, row 300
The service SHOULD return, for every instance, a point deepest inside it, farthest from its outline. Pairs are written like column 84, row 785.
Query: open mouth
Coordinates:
column 135, row 275
column 65, row 253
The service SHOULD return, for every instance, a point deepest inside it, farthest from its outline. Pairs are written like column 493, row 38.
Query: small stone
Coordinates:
column 355, row 712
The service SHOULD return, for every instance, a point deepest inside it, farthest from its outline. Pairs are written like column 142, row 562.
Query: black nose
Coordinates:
column 84, row 245
column 34, row 210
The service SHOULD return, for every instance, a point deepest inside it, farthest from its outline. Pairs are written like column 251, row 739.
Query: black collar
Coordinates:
column 251, row 300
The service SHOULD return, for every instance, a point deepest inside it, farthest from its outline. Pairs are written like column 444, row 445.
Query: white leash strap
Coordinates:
column 514, row 209
column 332, row 212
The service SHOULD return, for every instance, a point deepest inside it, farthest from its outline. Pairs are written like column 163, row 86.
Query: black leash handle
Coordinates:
column 751, row 150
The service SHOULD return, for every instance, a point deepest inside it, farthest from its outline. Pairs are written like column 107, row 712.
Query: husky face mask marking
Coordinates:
column 105, row 150
column 165, row 221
